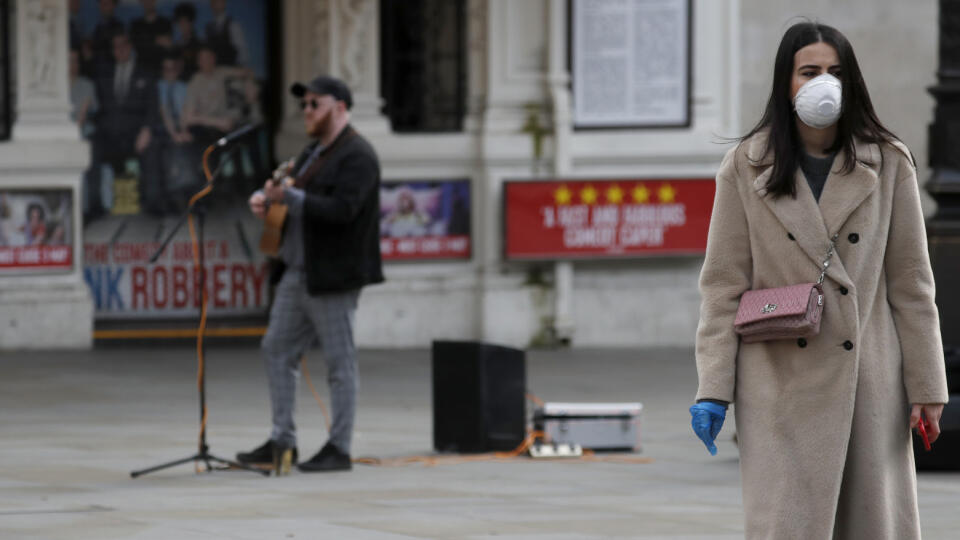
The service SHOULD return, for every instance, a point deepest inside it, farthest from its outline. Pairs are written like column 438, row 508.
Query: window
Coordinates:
column 5, row 82
column 422, row 64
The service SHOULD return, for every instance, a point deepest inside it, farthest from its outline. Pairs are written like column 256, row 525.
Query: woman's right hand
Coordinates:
column 707, row 419
column 932, row 412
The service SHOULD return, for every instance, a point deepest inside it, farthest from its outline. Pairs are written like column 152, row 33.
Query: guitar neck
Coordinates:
column 281, row 173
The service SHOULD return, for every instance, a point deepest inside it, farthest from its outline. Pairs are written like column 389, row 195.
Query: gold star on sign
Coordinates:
column 588, row 195
column 641, row 194
column 614, row 194
column 666, row 193
column 562, row 195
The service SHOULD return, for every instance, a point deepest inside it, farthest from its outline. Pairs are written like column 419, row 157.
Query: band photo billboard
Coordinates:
column 630, row 63
column 423, row 220
column 153, row 83
column 580, row 219
column 36, row 231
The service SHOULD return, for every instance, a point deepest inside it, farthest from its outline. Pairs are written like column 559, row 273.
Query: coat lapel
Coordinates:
column 811, row 224
column 844, row 193
column 799, row 215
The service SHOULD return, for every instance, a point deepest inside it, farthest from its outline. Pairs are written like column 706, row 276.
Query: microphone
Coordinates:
column 236, row 134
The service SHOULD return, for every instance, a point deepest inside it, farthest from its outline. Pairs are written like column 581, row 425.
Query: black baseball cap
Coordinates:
column 325, row 85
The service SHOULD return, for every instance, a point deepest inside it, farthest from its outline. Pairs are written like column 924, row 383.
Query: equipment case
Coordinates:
column 597, row 426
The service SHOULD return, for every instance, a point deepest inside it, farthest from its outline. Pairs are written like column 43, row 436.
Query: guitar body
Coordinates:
column 273, row 229
column 276, row 214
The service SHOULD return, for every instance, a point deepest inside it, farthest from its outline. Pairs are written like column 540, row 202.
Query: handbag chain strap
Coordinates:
column 826, row 262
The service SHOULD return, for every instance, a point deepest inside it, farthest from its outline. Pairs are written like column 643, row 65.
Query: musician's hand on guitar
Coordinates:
column 258, row 204
column 273, row 190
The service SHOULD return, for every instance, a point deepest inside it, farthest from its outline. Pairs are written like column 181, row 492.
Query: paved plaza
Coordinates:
column 73, row 425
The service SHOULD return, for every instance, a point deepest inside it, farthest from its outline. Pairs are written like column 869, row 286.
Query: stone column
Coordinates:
column 515, row 309
column 43, row 95
column 45, row 310
column 558, row 82
column 477, row 34
column 339, row 38
column 354, row 32
column 306, row 25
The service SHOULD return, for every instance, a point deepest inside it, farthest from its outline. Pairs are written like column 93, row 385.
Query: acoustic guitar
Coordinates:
column 276, row 212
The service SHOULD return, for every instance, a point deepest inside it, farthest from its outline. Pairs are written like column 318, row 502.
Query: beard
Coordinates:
column 322, row 126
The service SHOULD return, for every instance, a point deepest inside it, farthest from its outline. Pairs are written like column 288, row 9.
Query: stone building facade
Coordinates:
column 516, row 65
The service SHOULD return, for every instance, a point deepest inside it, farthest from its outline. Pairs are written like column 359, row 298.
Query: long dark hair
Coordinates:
column 858, row 117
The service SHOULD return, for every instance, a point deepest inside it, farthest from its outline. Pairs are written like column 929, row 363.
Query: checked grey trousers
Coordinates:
column 297, row 321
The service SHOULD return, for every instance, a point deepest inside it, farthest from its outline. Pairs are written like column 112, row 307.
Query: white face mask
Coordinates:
column 818, row 102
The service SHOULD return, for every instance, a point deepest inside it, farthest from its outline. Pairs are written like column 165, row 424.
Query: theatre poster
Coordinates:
column 590, row 219
column 425, row 220
column 420, row 220
column 36, row 231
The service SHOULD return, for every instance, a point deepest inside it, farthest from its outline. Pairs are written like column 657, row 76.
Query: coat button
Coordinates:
column 843, row 291
column 848, row 345
column 790, row 236
column 853, row 238
column 802, row 342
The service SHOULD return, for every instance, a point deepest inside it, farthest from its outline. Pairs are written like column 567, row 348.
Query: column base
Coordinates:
column 44, row 132
column 44, row 316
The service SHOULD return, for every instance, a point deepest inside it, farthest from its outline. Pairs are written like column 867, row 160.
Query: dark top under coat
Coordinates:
column 816, row 170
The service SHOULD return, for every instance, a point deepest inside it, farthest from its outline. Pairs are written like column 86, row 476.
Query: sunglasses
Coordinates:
column 311, row 103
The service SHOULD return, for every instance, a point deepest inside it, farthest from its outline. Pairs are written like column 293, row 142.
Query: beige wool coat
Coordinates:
column 823, row 425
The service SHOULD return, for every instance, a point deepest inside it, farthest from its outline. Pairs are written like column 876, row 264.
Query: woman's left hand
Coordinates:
column 932, row 412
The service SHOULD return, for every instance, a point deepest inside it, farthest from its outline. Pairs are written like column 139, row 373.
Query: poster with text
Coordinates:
column 630, row 63
column 126, row 284
column 576, row 219
column 153, row 84
column 425, row 220
column 36, row 231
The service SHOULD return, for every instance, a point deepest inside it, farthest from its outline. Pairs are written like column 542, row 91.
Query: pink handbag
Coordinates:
column 787, row 312
column 780, row 313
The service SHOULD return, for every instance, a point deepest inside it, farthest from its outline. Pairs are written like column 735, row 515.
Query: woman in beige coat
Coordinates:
column 824, row 422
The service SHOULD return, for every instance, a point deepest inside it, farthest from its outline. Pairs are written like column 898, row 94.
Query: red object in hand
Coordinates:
column 922, row 431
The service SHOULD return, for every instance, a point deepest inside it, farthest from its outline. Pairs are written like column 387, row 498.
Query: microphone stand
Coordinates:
column 203, row 450
column 190, row 208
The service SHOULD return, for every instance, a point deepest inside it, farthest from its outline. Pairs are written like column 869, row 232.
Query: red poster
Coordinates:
column 36, row 231
column 610, row 218
column 36, row 257
column 431, row 247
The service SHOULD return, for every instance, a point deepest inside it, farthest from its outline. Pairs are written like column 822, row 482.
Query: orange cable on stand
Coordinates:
column 203, row 292
column 198, row 251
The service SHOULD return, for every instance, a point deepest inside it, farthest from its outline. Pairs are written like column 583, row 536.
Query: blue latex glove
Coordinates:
column 707, row 419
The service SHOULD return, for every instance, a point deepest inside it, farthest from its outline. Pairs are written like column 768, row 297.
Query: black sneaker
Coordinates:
column 327, row 459
column 262, row 455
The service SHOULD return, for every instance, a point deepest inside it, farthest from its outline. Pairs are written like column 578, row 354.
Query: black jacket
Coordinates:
column 119, row 122
column 341, row 216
